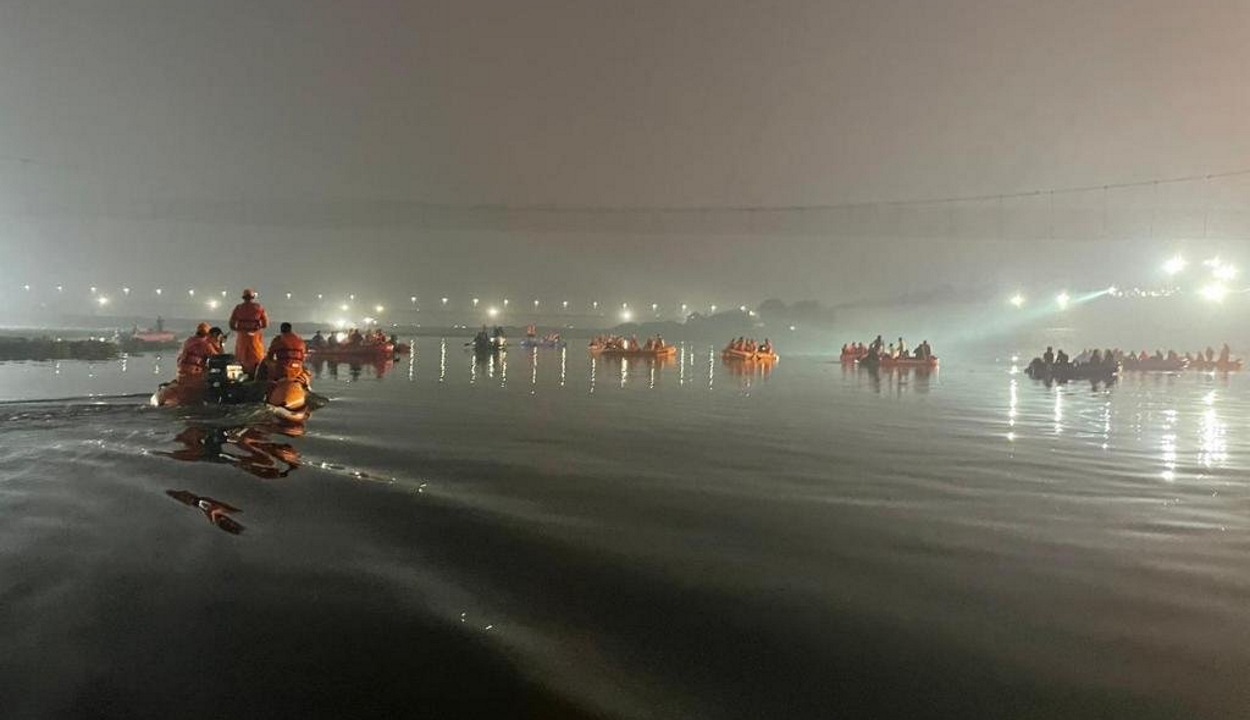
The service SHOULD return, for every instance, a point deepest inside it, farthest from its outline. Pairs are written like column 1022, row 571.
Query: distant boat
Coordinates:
column 153, row 336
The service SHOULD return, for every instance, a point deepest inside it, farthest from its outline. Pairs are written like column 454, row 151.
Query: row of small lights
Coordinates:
column 492, row 311
column 1215, row 290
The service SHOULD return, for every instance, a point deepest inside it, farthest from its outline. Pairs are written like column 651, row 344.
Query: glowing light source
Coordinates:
column 1113, row 291
column 713, row 308
column 505, row 302
column 626, row 315
column 535, row 303
column 93, row 289
column 1215, row 292
column 683, row 308
column 378, row 309
column 1224, row 272
column 493, row 311
column 288, row 296
column 159, row 291
column 595, row 304
column 1063, row 299
column 26, row 288
column 475, row 302
column 655, row 306
column 413, row 299
column 125, row 291
column 343, row 307
column 191, row 293
column 565, row 304
column 102, row 300
column 351, row 297
column 1174, row 265
column 60, row 288
column 212, row 304
column 1017, row 300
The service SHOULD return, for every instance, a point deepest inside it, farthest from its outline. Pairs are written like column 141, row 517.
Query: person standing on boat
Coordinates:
column 249, row 320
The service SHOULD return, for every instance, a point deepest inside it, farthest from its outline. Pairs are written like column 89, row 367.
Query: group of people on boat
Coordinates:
column 283, row 360
column 630, row 344
column 748, row 345
column 355, row 339
column 1113, row 359
column 489, row 340
column 895, row 351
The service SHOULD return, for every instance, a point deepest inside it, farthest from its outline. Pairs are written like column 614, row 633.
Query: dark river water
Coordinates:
column 551, row 536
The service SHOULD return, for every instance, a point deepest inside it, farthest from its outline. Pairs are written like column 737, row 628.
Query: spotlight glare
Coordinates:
column 1174, row 265
column 1017, row 300
column 1215, row 292
column 1063, row 299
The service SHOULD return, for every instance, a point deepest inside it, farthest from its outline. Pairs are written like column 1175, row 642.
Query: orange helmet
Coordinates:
column 248, row 294
column 201, row 329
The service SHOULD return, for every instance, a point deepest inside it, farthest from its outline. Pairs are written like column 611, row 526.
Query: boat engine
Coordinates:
column 224, row 380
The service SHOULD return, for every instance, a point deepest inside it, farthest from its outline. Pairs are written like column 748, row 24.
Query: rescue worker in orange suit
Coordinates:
column 190, row 385
column 286, row 356
column 193, row 359
column 217, row 339
column 249, row 320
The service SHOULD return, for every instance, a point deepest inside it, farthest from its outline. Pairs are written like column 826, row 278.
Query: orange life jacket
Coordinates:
column 248, row 317
column 194, row 356
column 288, row 348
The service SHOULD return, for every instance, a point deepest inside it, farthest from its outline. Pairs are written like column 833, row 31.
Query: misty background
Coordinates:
column 900, row 162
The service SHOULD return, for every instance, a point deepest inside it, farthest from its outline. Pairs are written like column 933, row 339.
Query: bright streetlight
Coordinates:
column 1017, row 300
column 1063, row 299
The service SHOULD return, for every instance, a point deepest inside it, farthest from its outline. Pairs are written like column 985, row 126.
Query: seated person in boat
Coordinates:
column 1048, row 357
column 318, row 341
column 1061, row 358
column 217, row 339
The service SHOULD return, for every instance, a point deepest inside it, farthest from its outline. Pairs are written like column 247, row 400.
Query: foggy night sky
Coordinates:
column 162, row 142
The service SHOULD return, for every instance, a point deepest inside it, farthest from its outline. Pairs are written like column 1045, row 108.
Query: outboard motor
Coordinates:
column 224, row 380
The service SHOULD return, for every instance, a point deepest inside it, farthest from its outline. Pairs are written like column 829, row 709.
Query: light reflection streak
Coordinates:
column 652, row 385
column 1058, row 411
column 442, row 360
column 624, row 370
column 681, row 367
column 1212, row 436
column 412, row 360
column 1167, row 445
column 564, row 352
column 473, row 369
column 711, row 367
column 594, row 365
column 533, row 368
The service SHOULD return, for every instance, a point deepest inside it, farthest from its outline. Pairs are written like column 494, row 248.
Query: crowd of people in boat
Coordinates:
column 1112, row 359
column 630, row 344
column 284, row 358
column 354, row 339
column 895, row 350
column 748, row 345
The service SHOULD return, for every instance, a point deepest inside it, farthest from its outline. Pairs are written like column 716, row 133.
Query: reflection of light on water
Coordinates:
column 652, row 385
column 681, row 367
column 534, row 366
column 124, row 359
column 1011, row 437
column 1058, row 412
column 473, row 369
column 711, row 367
column 503, row 369
column 1212, row 437
column 564, row 352
column 1167, row 445
column 624, row 370
column 412, row 360
column 442, row 360
column 1013, row 400
column 594, row 365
